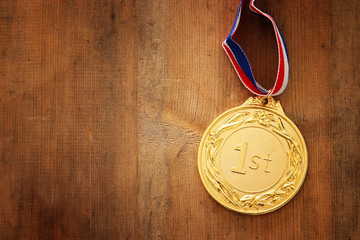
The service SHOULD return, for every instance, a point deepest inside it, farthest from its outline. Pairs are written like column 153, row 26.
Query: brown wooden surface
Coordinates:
column 103, row 105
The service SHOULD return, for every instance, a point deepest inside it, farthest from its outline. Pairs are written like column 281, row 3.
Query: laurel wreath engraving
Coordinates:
column 286, row 186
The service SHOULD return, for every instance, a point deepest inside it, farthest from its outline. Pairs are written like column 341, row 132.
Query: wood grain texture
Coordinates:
column 103, row 105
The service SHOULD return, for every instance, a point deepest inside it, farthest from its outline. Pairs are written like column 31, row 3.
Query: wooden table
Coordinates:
column 103, row 105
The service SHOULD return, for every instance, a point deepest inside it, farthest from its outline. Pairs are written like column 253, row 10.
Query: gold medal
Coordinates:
column 252, row 159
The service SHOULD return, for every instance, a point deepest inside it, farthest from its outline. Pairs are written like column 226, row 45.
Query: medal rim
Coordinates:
column 244, row 107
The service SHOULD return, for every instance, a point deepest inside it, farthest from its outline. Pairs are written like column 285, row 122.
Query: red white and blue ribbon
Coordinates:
column 242, row 65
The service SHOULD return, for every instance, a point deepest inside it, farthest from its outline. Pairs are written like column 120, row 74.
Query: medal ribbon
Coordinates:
column 242, row 65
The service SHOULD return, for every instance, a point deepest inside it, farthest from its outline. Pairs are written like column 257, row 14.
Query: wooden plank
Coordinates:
column 344, row 77
column 103, row 105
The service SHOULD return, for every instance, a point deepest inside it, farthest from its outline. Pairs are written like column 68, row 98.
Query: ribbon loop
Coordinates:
column 242, row 65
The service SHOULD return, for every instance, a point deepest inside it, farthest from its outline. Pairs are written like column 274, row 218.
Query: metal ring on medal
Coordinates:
column 252, row 158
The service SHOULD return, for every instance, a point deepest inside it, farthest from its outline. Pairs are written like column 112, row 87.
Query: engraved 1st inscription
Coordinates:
column 254, row 159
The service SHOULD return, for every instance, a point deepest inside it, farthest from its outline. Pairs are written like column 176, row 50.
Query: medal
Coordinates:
column 252, row 159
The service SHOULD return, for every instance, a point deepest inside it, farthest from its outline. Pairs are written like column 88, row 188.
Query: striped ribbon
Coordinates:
column 242, row 65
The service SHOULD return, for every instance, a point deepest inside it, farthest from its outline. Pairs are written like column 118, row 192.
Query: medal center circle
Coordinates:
column 253, row 159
